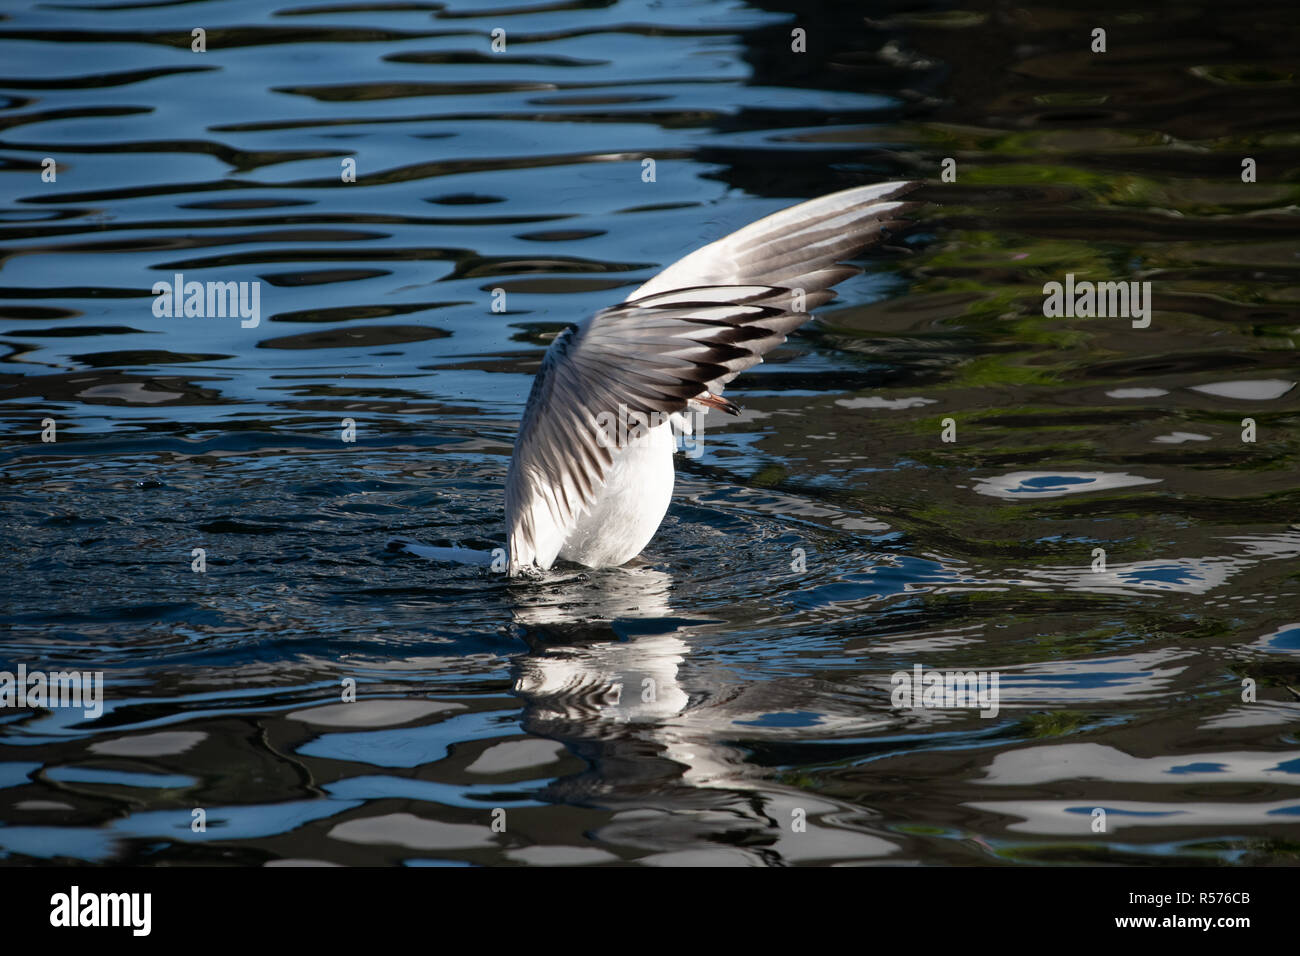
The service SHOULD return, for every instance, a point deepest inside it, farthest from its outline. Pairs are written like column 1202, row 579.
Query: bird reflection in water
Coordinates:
column 610, row 675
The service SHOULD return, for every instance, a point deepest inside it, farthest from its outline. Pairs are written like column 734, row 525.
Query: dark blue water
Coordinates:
column 726, row 698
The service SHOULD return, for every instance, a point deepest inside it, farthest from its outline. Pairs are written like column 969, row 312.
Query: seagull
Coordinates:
column 579, row 490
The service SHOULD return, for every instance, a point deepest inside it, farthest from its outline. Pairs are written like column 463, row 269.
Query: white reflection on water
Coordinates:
column 1033, row 485
column 1053, row 762
column 1257, row 390
column 1187, row 575
column 1073, row 817
column 653, row 727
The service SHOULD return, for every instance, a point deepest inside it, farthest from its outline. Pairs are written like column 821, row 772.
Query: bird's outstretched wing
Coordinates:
column 678, row 338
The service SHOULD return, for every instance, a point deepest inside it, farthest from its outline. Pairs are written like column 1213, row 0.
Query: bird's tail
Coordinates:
column 471, row 556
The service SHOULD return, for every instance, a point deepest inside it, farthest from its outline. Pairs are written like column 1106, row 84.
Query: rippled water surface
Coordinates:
column 703, row 703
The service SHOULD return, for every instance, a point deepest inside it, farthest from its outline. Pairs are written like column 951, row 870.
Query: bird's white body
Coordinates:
column 670, row 347
column 630, row 506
